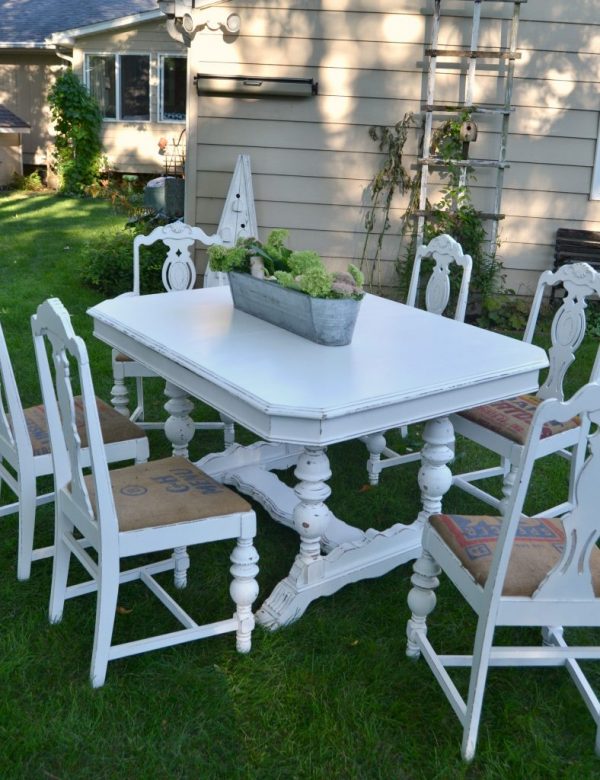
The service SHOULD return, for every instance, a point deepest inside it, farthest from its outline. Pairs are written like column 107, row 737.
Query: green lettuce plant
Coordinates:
column 274, row 261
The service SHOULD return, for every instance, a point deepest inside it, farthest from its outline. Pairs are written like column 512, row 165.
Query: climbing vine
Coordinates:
column 454, row 212
column 392, row 178
column 77, row 121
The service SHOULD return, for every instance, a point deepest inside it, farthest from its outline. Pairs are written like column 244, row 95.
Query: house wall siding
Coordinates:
column 133, row 146
column 25, row 78
column 11, row 159
column 312, row 158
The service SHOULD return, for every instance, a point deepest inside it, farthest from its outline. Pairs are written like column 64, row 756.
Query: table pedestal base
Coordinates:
column 350, row 553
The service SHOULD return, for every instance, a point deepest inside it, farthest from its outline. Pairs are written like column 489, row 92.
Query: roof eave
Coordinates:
column 67, row 37
column 20, row 129
column 43, row 45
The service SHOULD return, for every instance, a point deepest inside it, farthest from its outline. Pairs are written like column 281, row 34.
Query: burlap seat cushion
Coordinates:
column 512, row 418
column 167, row 491
column 538, row 546
column 115, row 427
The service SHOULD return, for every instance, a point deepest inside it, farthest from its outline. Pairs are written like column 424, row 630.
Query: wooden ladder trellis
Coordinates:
column 507, row 55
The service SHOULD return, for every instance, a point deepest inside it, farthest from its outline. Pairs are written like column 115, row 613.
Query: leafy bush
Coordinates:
column 30, row 183
column 593, row 320
column 505, row 312
column 108, row 262
column 77, row 121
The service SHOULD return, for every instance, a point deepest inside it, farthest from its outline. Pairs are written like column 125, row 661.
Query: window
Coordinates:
column 173, row 82
column 121, row 85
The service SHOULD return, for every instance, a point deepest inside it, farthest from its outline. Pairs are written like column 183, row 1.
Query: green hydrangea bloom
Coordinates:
column 316, row 281
column 286, row 279
column 229, row 258
column 301, row 262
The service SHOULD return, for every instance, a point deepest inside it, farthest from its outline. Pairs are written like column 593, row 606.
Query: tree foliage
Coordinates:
column 77, row 120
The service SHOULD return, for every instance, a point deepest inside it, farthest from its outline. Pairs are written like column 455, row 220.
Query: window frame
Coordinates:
column 161, row 92
column 117, row 55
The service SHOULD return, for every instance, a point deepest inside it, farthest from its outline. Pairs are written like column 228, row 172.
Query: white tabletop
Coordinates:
column 403, row 365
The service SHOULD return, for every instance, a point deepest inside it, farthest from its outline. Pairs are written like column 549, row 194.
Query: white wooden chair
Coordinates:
column 141, row 509
column 444, row 251
column 519, row 571
column 25, row 455
column 502, row 426
column 178, row 273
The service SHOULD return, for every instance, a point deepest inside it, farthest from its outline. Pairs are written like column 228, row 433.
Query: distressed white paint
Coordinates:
column 444, row 251
column 82, row 525
column 564, row 598
column 580, row 281
column 24, row 467
column 291, row 391
column 178, row 273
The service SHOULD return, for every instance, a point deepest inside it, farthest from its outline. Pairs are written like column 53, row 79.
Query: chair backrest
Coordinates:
column 179, row 270
column 579, row 281
column 15, row 444
column 444, row 251
column 53, row 333
column 570, row 579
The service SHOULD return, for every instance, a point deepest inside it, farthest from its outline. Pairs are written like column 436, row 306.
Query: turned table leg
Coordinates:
column 179, row 428
column 310, row 519
column 435, row 478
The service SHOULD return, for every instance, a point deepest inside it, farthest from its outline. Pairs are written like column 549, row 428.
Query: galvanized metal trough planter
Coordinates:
column 327, row 321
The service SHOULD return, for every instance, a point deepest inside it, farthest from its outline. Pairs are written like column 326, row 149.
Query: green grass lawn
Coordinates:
column 332, row 696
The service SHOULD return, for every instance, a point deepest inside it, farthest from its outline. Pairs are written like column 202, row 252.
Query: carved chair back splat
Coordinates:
column 502, row 427
column 25, row 455
column 178, row 273
column 445, row 252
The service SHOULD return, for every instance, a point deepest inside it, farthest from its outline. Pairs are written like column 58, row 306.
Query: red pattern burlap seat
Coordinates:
column 538, row 546
column 512, row 418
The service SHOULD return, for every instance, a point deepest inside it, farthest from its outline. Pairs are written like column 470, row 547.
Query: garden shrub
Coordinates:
column 32, row 182
column 77, row 122
column 108, row 262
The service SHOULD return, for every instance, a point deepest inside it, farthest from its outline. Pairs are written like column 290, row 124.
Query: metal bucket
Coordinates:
column 327, row 321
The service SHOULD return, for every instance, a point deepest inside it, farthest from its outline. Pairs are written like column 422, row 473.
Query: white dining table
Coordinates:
column 404, row 366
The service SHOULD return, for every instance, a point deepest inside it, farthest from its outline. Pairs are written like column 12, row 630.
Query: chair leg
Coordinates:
column 27, row 486
column 244, row 590
column 508, row 485
column 106, row 607
column 181, row 561
column 479, row 672
column 141, row 452
column 138, row 413
column 228, row 431
column 119, row 396
column 60, row 571
column 375, row 444
column 421, row 600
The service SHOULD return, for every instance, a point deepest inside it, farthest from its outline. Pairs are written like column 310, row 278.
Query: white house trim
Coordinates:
column 68, row 36
column 595, row 190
